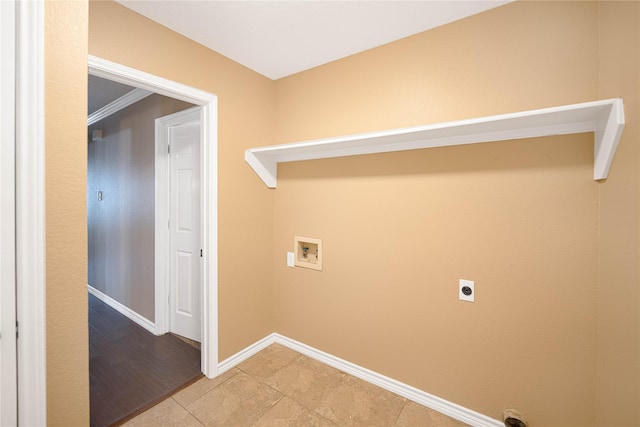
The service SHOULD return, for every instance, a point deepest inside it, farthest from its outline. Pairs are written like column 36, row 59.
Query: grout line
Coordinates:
column 189, row 412
column 210, row 390
column 406, row 402
column 293, row 398
column 282, row 396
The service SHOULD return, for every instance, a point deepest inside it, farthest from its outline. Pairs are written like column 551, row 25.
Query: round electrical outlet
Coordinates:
column 466, row 290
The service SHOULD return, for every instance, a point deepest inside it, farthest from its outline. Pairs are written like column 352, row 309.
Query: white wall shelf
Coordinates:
column 605, row 118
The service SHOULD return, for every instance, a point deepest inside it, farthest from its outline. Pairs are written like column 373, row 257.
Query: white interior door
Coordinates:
column 184, row 225
column 8, row 355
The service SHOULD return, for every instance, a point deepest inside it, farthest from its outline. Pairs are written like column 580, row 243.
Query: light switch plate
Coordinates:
column 290, row 259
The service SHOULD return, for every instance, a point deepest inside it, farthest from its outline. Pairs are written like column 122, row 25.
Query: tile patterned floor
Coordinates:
column 280, row 387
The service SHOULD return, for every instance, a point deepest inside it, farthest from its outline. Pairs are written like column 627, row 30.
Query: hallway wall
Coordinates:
column 121, row 227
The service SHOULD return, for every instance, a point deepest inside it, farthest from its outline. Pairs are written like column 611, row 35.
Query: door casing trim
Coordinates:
column 209, row 179
column 30, row 252
column 8, row 349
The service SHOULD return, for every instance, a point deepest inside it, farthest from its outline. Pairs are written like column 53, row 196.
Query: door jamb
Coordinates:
column 30, row 212
column 162, row 209
column 209, row 179
column 8, row 343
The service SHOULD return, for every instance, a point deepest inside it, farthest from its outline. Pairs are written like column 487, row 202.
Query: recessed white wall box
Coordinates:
column 308, row 252
column 466, row 290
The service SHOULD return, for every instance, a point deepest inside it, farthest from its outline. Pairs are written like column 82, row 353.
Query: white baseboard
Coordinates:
column 445, row 407
column 246, row 353
column 124, row 310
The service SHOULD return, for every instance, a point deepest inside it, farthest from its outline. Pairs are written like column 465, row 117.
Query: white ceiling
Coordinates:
column 280, row 38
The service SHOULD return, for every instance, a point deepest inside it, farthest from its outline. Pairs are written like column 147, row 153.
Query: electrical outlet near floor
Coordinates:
column 466, row 290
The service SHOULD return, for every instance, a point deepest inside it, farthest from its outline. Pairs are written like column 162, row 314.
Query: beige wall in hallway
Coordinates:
column 67, row 362
column 519, row 217
column 245, row 206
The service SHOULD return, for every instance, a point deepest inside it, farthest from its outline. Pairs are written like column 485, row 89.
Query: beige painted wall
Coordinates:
column 493, row 63
column 245, row 206
column 520, row 218
column 67, row 362
column 550, row 330
column 121, row 227
column 618, row 381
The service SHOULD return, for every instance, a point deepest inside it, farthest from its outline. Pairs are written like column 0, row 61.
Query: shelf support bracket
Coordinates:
column 607, row 135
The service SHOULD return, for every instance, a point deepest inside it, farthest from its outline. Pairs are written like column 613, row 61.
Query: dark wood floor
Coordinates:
column 130, row 369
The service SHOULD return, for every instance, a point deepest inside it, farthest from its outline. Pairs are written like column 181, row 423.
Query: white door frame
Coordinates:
column 8, row 349
column 208, row 103
column 162, row 214
column 29, row 250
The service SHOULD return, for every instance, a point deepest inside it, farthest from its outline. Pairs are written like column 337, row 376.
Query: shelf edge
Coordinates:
column 605, row 118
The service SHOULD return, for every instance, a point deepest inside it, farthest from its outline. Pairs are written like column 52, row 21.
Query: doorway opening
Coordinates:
column 207, row 104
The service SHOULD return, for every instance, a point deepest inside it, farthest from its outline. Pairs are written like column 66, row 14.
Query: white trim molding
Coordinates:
column 123, row 309
column 246, row 353
column 209, row 175
column 604, row 118
column 8, row 349
column 121, row 103
column 30, row 213
column 423, row 398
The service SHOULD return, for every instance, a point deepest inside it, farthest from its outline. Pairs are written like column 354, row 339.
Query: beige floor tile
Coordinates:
column 306, row 380
column 165, row 413
column 268, row 361
column 357, row 403
column 201, row 387
column 288, row 413
column 414, row 415
column 240, row 401
column 280, row 387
